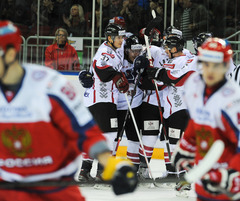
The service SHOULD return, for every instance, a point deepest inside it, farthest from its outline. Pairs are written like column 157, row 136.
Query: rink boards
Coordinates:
column 158, row 152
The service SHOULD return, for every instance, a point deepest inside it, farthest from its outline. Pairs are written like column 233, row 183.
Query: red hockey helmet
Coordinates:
column 215, row 50
column 118, row 20
column 9, row 35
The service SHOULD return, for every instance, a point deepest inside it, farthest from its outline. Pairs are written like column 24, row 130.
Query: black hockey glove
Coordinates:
column 224, row 181
column 159, row 75
column 154, row 23
column 85, row 78
column 182, row 159
column 121, row 82
column 140, row 63
column 122, row 174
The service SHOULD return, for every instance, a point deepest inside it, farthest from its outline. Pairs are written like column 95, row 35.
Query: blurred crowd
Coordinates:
column 191, row 16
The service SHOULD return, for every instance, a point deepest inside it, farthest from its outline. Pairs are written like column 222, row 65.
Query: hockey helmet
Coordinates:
column 114, row 30
column 215, row 50
column 200, row 38
column 9, row 36
column 132, row 43
column 118, row 20
column 171, row 30
column 174, row 41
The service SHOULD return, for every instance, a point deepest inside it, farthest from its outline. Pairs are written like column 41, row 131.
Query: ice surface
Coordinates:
column 145, row 192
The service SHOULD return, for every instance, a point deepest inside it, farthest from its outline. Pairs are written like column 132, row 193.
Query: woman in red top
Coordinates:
column 61, row 55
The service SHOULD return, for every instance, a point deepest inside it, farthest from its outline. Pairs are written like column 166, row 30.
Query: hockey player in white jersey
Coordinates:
column 101, row 98
column 174, row 72
column 132, row 48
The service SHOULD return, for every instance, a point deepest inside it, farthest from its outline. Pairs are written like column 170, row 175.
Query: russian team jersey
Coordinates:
column 104, row 90
column 44, row 128
column 216, row 118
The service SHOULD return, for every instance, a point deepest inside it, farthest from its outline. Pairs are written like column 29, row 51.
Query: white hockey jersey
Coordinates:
column 159, row 57
column 179, row 69
column 128, row 70
column 103, row 91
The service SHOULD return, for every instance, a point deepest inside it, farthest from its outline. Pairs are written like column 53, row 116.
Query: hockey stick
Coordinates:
column 206, row 163
column 140, row 140
column 64, row 183
column 119, row 137
column 158, row 99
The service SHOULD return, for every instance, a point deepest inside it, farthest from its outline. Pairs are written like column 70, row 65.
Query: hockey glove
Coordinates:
column 122, row 174
column 154, row 23
column 121, row 82
column 85, row 78
column 224, row 181
column 159, row 74
column 140, row 63
column 182, row 159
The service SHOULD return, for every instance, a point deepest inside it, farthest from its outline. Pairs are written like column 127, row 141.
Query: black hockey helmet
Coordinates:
column 175, row 41
column 114, row 30
column 132, row 43
column 171, row 30
column 200, row 39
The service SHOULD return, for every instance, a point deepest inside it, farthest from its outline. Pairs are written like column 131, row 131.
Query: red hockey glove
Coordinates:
column 223, row 181
column 122, row 174
column 182, row 159
column 121, row 82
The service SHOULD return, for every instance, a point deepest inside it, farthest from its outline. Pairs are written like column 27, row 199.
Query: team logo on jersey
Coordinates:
column 38, row 74
column 227, row 92
column 204, row 140
column 17, row 141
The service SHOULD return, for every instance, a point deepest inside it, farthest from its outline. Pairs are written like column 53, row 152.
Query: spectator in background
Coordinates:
column 191, row 18
column 115, row 8
column 61, row 8
column 134, row 15
column 105, row 14
column 61, row 55
column 76, row 22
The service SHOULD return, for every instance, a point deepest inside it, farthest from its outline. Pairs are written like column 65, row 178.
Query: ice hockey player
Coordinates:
column 173, row 75
column 132, row 48
column 101, row 98
column 200, row 39
column 213, row 103
column 44, row 128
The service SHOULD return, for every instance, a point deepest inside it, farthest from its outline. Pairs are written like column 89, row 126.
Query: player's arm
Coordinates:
column 106, row 72
column 168, row 76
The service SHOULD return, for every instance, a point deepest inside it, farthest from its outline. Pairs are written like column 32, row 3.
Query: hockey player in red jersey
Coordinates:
column 213, row 103
column 44, row 127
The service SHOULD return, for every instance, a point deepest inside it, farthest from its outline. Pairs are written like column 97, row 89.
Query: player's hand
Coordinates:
column 154, row 23
column 85, row 78
column 121, row 82
column 140, row 63
column 182, row 159
column 223, row 181
column 122, row 174
column 159, row 74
